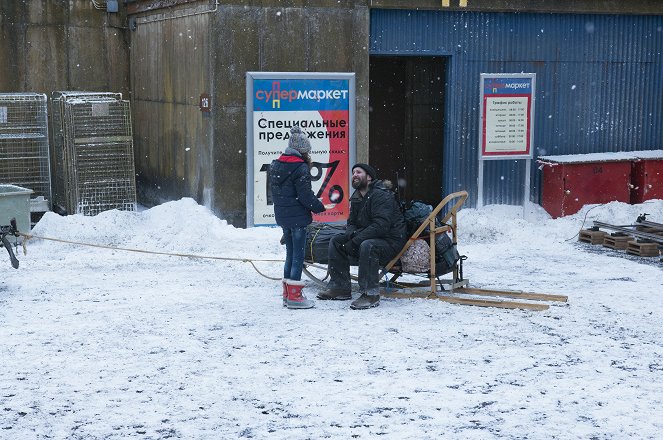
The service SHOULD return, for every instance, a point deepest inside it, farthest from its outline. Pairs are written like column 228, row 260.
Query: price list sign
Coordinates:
column 507, row 114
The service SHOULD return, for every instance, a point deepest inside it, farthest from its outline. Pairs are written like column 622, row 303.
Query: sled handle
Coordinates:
column 430, row 220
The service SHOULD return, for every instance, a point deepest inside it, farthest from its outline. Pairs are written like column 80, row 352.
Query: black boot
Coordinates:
column 339, row 287
column 365, row 302
column 335, row 294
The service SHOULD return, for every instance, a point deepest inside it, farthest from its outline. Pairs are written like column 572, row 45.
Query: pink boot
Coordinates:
column 296, row 300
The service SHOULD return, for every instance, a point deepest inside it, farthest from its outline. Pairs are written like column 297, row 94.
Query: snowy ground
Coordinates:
column 104, row 344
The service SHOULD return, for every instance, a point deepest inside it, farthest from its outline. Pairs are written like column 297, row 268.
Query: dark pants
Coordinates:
column 295, row 246
column 372, row 254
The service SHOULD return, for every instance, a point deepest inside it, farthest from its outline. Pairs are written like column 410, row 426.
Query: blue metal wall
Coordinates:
column 599, row 81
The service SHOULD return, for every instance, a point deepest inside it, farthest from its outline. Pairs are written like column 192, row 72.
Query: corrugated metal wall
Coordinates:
column 599, row 83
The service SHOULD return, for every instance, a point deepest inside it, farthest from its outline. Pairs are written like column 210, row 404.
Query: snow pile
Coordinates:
column 180, row 227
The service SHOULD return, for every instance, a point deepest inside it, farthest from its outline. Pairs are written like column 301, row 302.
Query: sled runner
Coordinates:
column 9, row 230
column 455, row 290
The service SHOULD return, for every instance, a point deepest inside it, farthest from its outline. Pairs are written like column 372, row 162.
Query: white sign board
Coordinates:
column 323, row 106
column 507, row 101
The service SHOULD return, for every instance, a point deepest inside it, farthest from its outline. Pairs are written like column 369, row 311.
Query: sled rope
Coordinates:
column 313, row 241
column 251, row 261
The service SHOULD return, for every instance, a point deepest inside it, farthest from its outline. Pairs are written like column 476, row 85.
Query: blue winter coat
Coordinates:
column 292, row 195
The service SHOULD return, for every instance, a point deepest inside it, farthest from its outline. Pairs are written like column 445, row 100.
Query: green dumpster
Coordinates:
column 15, row 203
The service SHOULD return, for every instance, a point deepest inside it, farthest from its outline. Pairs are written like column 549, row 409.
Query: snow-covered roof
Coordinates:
column 649, row 154
column 591, row 157
column 602, row 157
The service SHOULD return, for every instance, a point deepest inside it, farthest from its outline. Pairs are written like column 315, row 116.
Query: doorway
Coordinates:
column 406, row 123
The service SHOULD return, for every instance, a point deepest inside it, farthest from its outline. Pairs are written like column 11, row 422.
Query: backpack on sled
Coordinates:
column 415, row 213
column 318, row 236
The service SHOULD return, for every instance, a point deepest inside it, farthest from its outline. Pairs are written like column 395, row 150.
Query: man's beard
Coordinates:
column 361, row 183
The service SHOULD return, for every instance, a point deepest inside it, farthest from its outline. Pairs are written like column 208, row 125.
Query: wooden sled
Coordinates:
column 455, row 290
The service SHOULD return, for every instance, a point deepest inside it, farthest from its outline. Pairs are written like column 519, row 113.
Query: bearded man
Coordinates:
column 375, row 233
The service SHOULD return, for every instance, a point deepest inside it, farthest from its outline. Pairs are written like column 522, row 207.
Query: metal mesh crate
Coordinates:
column 93, row 151
column 24, row 154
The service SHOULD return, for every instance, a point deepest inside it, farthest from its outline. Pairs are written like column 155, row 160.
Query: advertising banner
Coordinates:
column 507, row 115
column 322, row 105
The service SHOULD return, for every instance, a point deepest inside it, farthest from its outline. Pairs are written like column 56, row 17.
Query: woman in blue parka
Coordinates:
column 294, row 201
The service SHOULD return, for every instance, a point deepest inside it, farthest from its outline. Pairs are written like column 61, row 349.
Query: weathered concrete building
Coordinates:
column 62, row 45
column 181, row 52
column 416, row 63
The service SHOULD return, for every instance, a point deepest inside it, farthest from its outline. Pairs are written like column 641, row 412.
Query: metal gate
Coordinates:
column 24, row 155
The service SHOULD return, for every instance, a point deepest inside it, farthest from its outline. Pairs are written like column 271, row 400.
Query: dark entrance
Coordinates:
column 406, row 123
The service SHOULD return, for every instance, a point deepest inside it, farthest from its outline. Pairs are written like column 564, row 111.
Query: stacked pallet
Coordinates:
column 592, row 236
column 617, row 240
column 643, row 249
column 644, row 239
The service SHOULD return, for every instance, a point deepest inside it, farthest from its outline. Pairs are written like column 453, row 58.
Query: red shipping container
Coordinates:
column 647, row 176
column 572, row 181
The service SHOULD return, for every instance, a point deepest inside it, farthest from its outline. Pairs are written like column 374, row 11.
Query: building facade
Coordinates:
column 598, row 66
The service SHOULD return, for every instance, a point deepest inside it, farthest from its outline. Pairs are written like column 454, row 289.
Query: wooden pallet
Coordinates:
column 591, row 236
column 643, row 249
column 649, row 229
column 617, row 240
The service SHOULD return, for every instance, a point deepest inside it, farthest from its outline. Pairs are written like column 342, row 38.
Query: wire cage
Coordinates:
column 93, row 152
column 24, row 153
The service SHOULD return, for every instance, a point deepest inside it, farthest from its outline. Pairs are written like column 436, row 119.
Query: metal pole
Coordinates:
column 528, row 172
column 480, row 183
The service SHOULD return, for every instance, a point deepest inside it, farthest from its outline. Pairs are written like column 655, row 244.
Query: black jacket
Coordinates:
column 376, row 215
column 291, row 192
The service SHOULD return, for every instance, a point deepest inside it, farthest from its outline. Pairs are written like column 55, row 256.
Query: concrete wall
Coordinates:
column 179, row 52
column 286, row 36
column 176, row 51
column 170, row 62
column 48, row 45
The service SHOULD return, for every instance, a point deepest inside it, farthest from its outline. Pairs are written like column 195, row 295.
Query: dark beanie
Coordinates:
column 299, row 141
column 369, row 169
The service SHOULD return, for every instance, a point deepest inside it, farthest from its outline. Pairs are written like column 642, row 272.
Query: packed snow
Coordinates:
column 98, row 343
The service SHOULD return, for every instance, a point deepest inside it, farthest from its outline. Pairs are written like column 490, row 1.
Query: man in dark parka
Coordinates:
column 375, row 233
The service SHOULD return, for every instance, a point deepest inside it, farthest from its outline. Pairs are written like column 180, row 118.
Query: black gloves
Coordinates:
column 342, row 239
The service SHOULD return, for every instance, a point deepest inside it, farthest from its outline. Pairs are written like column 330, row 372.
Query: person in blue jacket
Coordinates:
column 293, row 199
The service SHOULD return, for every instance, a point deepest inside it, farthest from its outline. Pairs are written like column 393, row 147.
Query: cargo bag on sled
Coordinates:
column 318, row 236
column 446, row 255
